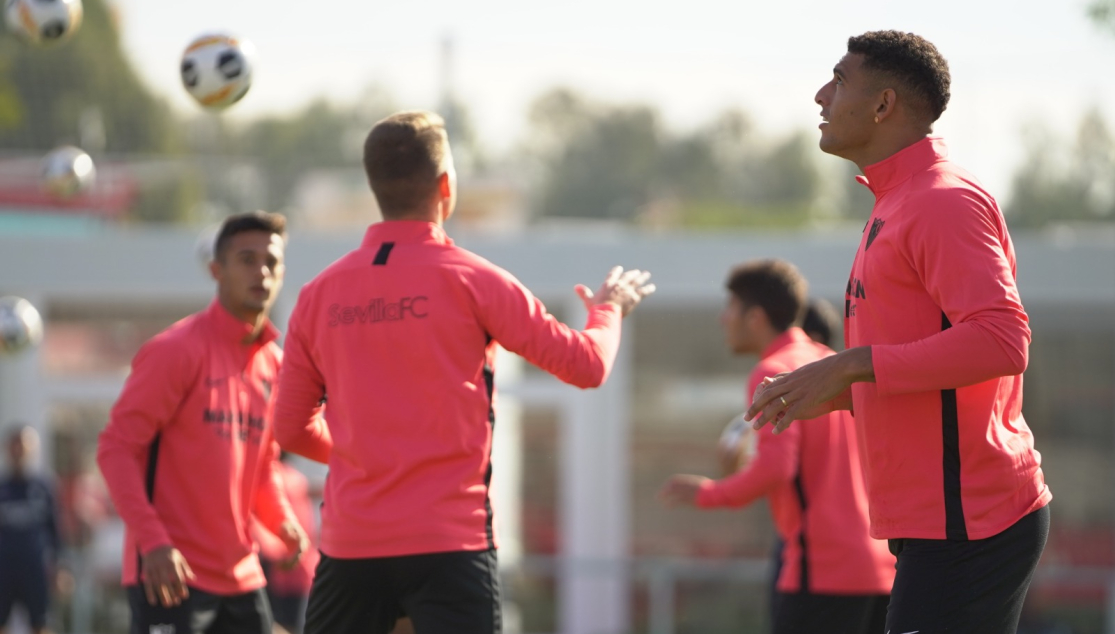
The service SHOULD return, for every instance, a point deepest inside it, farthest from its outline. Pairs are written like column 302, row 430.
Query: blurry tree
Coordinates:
column 46, row 92
column 1103, row 12
column 323, row 135
column 85, row 92
column 619, row 162
column 1066, row 184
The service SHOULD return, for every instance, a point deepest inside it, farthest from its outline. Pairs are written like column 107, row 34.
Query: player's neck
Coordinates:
column 256, row 319
column 888, row 145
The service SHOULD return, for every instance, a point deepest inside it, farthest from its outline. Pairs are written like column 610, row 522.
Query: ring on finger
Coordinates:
column 783, row 399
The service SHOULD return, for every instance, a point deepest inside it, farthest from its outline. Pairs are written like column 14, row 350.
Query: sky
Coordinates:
column 1014, row 63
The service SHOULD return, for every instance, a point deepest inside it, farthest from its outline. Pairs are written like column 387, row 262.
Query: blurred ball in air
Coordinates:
column 20, row 325
column 43, row 22
column 217, row 69
column 67, row 171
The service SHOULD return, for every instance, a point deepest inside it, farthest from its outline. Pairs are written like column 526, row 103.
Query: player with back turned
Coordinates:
column 399, row 337
column 937, row 340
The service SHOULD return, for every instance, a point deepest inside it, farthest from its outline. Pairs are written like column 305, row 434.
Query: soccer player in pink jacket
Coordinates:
column 188, row 453
column 937, row 341
column 834, row 577
column 398, row 339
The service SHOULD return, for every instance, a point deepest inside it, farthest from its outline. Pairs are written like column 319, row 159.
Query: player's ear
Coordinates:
column 215, row 268
column 884, row 107
column 445, row 185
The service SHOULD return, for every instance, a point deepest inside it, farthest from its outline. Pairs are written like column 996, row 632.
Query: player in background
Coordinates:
column 189, row 456
column 820, row 322
column 401, row 334
column 288, row 586
column 936, row 343
column 834, row 577
column 29, row 544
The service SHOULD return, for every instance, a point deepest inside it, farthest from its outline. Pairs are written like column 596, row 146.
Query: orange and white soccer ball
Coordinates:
column 43, row 21
column 20, row 325
column 217, row 69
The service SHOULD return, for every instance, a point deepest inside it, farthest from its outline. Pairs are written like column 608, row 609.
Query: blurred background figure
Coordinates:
column 288, row 587
column 28, row 533
column 833, row 576
column 821, row 322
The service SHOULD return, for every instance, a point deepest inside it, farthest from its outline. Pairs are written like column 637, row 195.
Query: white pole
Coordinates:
column 594, row 589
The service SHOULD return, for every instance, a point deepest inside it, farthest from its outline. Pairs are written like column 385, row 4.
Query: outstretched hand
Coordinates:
column 625, row 289
column 682, row 490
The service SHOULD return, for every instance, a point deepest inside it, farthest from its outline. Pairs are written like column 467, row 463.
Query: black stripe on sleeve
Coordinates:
column 149, row 487
column 490, row 385
column 383, row 253
column 799, row 487
column 152, row 465
column 955, row 527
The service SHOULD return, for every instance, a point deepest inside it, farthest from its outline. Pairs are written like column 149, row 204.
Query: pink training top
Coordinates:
column 188, row 454
column 933, row 292
column 399, row 336
column 812, row 477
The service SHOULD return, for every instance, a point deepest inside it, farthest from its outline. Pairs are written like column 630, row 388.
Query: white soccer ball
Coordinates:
column 217, row 69
column 43, row 21
column 67, row 171
column 738, row 435
column 20, row 325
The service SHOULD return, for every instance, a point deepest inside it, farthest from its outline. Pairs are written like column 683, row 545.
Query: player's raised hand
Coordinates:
column 623, row 288
column 682, row 490
column 165, row 572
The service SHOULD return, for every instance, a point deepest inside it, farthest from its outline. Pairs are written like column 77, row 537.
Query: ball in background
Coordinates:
column 67, row 171
column 217, row 69
column 20, row 325
column 43, row 21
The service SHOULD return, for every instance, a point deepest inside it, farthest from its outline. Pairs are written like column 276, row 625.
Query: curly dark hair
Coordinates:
column 774, row 285
column 910, row 60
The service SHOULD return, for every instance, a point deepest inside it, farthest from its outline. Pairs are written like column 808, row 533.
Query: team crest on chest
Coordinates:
column 876, row 227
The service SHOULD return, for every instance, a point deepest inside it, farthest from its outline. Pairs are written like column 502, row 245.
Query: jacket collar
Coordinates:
column 897, row 168
column 793, row 335
column 412, row 231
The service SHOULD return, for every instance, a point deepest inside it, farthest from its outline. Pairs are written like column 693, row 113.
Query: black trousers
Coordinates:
column 202, row 613
column 966, row 587
column 442, row 593
column 804, row 613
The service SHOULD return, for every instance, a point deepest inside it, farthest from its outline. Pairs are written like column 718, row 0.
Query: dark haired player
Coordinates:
column 188, row 454
column 833, row 577
column 28, row 532
column 937, row 341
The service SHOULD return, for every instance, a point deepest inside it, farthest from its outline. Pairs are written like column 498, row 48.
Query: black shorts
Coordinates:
column 804, row 613
column 24, row 583
column 963, row 587
column 202, row 613
column 442, row 593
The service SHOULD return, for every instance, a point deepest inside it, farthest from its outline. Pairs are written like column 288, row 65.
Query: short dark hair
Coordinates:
column 403, row 156
column 774, row 285
column 250, row 221
column 910, row 60
column 820, row 319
